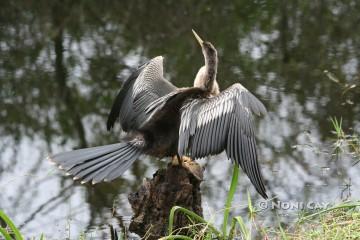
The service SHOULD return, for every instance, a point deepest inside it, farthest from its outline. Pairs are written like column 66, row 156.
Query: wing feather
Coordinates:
column 144, row 86
column 224, row 122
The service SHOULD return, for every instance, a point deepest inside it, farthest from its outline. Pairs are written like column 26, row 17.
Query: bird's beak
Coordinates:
column 198, row 38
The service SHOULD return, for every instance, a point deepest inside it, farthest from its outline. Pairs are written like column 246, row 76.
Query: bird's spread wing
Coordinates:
column 224, row 122
column 144, row 86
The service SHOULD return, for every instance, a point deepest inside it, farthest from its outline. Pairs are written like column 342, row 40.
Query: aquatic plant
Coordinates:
column 10, row 231
column 345, row 143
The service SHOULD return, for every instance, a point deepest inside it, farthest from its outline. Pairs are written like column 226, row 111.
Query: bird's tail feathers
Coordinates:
column 97, row 164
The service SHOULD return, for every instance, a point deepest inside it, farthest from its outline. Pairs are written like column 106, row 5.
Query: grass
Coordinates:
column 339, row 222
column 349, row 143
column 10, row 231
column 229, row 199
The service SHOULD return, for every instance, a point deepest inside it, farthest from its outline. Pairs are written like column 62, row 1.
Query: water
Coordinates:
column 61, row 64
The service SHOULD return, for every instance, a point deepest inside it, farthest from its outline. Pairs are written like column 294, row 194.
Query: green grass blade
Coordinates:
column 344, row 205
column 11, row 225
column 229, row 199
column 252, row 210
column 190, row 214
column 282, row 232
column 337, row 125
column 5, row 234
column 176, row 237
column 243, row 229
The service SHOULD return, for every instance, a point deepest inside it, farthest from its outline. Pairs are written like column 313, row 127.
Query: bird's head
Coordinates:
column 206, row 76
column 207, row 48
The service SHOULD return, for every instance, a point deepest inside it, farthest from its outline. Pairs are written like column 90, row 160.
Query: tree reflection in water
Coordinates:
column 62, row 63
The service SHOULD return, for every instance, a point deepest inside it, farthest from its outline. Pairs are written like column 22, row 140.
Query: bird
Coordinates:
column 163, row 120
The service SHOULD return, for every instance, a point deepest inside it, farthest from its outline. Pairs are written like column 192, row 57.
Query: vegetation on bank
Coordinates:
column 341, row 221
column 338, row 222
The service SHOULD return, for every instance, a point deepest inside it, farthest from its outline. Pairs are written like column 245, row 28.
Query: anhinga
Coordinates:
column 164, row 120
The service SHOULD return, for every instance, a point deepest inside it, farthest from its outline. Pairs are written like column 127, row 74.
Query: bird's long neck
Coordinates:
column 211, row 63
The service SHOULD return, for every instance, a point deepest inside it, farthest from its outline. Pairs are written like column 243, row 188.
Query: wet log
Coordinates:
column 151, row 204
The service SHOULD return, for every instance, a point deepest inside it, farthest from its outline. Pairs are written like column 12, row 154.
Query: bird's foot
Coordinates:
column 176, row 161
column 190, row 165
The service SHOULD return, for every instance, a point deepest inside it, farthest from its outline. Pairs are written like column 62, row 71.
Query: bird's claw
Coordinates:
column 191, row 166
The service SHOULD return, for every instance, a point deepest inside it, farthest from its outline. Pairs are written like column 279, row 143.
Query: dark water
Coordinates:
column 61, row 64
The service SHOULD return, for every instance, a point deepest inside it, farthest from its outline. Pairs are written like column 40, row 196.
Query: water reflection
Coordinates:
column 63, row 62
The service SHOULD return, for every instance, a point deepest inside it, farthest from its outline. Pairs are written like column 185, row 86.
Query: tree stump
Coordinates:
column 151, row 204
